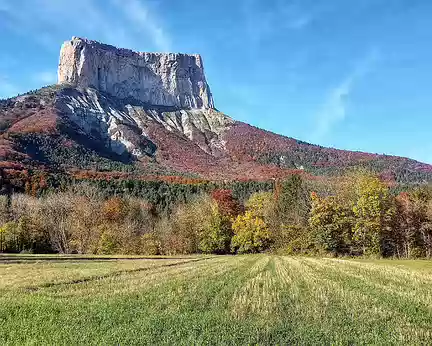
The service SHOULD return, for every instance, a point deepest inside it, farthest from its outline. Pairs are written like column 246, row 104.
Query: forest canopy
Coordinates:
column 359, row 216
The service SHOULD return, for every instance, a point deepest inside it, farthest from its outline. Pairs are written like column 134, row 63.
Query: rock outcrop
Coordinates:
column 162, row 79
column 142, row 115
column 124, row 127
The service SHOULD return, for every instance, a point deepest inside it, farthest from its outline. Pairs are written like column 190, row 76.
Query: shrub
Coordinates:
column 107, row 244
column 197, row 226
column 150, row 244
column 293, row 240
column 11, row 237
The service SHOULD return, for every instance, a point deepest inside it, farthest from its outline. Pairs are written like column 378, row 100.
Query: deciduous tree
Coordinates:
column 373, row 211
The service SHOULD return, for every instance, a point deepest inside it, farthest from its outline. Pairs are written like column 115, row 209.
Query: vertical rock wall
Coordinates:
column 163, row 79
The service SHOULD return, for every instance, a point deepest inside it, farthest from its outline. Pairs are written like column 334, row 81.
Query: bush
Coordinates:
column 11, row 237
column 293, row 240
column 107, row 243
column 197, row 226
column 150, row 244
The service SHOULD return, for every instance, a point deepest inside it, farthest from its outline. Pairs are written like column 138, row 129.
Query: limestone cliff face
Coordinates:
column 118, row 96
column 173, row 80
column 124, row 127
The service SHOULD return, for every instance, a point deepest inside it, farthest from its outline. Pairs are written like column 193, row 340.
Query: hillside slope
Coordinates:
column 62, row 127
column 152, row 115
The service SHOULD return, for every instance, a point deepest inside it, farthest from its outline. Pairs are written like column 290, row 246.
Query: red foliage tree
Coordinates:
column 227, row 204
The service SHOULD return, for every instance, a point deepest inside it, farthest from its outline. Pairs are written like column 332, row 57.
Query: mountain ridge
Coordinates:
column 180, row 135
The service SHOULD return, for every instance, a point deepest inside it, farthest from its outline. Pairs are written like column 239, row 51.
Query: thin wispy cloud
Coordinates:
column 45, row 77
column 334, row 108
column 295, row 15
column 122, row 23
column 143, row 19
column 263, row 20
column 300, row 21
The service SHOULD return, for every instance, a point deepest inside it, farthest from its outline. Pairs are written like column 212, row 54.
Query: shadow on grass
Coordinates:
column 8, row 258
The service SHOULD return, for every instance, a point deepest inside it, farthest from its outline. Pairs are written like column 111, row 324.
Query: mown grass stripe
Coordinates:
column 259, row 299
column 109, row 275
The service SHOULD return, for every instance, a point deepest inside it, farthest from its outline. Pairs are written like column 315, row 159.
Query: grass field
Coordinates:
column 258, row 299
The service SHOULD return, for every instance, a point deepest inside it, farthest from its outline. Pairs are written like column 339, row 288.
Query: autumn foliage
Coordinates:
column 227, row 205
column 358, row 216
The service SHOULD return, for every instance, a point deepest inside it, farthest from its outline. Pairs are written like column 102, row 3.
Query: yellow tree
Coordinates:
column 215, row 231
column 251, row 234
column 331, row 224
column 373, row 211
column 2, row 237
column 251, row 231
column 260, row 203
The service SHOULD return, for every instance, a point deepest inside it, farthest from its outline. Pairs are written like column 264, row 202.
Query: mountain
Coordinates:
column 152, row 116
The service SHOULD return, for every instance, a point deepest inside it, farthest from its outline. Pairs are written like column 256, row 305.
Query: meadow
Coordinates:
column 251, row 299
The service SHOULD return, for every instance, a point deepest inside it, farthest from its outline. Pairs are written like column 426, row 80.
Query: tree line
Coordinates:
column 359, row 216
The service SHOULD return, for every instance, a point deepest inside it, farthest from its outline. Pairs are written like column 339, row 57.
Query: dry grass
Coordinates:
column 44, row 273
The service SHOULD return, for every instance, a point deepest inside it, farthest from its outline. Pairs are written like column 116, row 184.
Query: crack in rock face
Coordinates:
column 163, row 79
column 123, row 127
column 117, row 94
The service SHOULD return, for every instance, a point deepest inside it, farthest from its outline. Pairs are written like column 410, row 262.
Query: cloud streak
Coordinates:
column 109, row 21
column 300, row 22
column 138, row 13
column 334, row 108
column 45, row 24
column 263, row 20
column 45, row 77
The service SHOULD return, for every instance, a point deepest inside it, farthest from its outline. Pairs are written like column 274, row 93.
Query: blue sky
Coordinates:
column 348, row 74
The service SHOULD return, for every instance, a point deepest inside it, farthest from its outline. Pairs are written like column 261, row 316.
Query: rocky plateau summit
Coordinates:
column 173, row 80
column 116, row 109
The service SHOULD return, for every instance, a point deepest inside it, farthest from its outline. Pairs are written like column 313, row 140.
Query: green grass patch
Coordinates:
column 257, row 299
